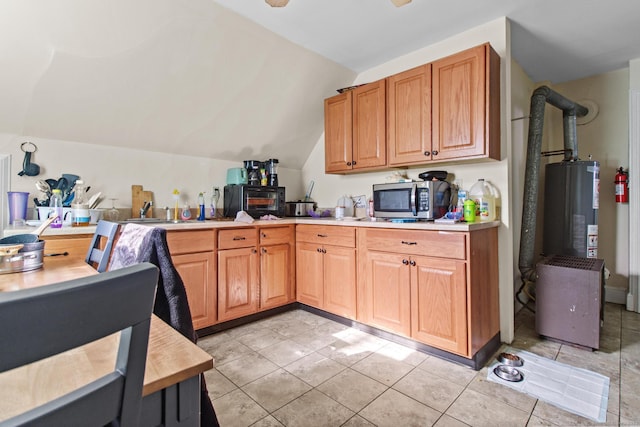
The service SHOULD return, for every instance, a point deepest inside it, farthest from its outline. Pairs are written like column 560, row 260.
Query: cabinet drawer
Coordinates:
column 275, row 235
column 430, row 243
column 237, row 238
column 76, row 247
column 187, row 242
column 327, row 234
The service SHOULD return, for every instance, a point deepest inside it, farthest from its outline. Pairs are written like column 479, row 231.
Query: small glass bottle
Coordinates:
column 80, row 207
column 55, row 203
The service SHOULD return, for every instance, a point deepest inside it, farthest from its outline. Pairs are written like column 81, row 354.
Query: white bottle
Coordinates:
column 481, row 193
column 496, row 198
column 80, row 207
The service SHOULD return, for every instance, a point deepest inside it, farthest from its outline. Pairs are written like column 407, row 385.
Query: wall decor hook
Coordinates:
column 28, row 168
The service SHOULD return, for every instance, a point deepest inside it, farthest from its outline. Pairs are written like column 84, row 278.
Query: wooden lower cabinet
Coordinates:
column 309, row 274
column 238, row 278
column 447, row 303
column 386, row 298
column 439, row 303
column 326, row 268
column 256, row 270
column 277, row 266
column 193, row 254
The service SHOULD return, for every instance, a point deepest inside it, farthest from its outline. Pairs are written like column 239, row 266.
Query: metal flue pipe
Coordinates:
column 570, row 110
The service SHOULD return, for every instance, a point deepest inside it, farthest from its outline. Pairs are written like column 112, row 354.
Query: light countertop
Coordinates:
column 208, row 224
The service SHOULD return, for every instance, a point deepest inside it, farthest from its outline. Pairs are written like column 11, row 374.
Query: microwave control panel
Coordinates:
column 422, row 199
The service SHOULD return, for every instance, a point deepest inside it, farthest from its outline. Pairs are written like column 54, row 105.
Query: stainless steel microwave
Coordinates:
column 420, row 200
column 255, row 200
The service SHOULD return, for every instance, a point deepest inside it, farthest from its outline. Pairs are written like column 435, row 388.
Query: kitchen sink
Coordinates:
column 151, row 221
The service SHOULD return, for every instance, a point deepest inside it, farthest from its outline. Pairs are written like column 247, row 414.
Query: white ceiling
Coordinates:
column 552, row 40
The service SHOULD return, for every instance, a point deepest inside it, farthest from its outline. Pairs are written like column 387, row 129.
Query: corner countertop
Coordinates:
column 209, row 224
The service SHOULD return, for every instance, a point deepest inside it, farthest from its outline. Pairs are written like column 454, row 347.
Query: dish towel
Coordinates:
column 139, row 243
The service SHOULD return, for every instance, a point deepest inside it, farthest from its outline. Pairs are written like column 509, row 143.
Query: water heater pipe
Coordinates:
column 570, row 110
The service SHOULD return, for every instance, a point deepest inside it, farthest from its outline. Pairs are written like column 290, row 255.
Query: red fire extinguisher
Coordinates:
column 622, row 189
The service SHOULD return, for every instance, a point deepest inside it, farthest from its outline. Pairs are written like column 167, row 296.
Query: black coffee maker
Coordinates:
column 272, row 171
column 253, row 171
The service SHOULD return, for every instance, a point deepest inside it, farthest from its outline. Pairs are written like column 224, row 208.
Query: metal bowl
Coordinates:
column 508, row 373
column 510, row 359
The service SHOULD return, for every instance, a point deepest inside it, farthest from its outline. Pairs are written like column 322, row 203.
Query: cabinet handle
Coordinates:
column 319, row 250
column 264, row 235
column 405, row 262
column 413, row 263
column 254, row 251
column 323, row 235
column 353, row 163
column 324, row 251
column 264, row 250
column 426, row 153
column 434, row 152
column 239, row 238
column 348, row 163
column 404, row 242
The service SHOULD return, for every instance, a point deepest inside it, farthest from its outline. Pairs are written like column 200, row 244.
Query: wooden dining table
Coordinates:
column 171, row 388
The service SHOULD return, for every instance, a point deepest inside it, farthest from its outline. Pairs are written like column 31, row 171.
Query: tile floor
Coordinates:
column 299, row 369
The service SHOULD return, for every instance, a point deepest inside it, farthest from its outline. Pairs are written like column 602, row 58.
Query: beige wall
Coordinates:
column 329, row 188
column 606, row 139
column 112, row 170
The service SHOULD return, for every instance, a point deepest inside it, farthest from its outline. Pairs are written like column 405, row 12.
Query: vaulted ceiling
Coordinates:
column 234, row 80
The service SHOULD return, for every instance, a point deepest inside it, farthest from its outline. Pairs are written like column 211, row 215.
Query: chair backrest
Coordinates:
column 40, row 322
column 98, row 257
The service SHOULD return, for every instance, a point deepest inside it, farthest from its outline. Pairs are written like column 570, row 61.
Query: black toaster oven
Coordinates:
column 255, row 200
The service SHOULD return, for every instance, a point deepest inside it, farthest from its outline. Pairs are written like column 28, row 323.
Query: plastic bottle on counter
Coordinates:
column 201, row 207
column 496, row 198
column 482, row 195
column 461, row 197
column 55, row 203
column 469, row 212
column 80, row 207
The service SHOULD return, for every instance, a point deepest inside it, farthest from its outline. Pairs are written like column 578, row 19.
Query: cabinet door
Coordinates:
column 340, row 281
column 237, row 283
column 409, row 116
column 198, row 272
column 275, row 276
column 459, row 101
column 309, row 274
column 387, row 292
column 439, row 304
column 369, row 126
column 338, row 133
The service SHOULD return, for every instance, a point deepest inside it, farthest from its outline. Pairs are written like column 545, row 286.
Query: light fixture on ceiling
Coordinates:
column 399, row 3
column 277, row 3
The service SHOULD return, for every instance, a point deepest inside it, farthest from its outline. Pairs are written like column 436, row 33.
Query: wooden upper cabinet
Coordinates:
column 466, row 105
column 369, row 126
column 409, row 116
column 355, row 129
column 338, row 132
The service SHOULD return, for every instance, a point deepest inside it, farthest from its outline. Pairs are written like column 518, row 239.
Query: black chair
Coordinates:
column 139, row 243
column 44, row 321
column 96, row 257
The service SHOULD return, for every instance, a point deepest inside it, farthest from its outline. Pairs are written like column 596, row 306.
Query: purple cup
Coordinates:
column 17, row 205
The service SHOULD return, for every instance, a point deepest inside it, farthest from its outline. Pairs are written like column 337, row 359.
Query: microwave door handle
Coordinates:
column 414, row 190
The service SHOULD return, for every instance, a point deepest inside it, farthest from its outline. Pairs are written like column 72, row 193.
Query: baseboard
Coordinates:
column 615, row 295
